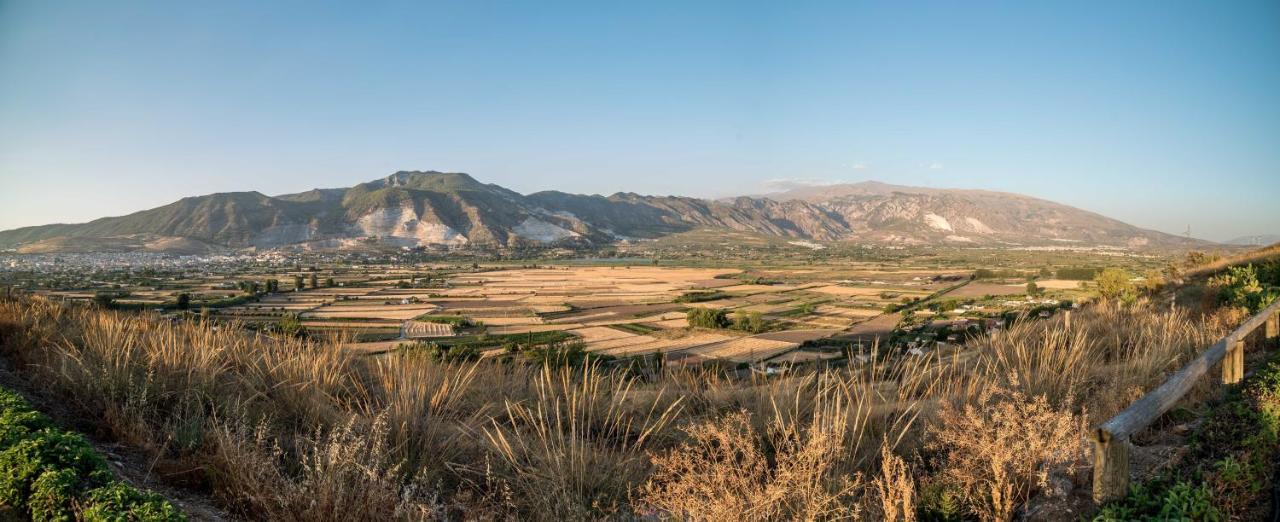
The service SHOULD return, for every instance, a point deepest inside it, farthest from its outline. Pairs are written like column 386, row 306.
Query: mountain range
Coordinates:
column 412, row 208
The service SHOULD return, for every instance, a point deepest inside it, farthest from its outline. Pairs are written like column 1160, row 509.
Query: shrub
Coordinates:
column 51, row 474
column 701, row 296
column 1239, row 286
column 706, row 318
column 1181, row 501
column 445, row 354
column 1000, row 449
column 724, row 472
column 895, row 488
column 748, row 321
column 120, row 503
column 1113, row 283
column 46, row 451
column 458, row 321
column 1078, row 274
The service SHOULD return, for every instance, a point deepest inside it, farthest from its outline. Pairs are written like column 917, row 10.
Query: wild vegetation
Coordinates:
column 47, row 473
column 1227, row 473
column 288, row 428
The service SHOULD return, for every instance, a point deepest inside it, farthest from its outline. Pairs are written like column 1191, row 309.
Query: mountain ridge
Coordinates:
column 432, row 208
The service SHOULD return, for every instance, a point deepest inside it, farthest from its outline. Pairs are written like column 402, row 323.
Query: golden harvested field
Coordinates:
column 666, row 345
column 386, row 312
column 1058, row 284
column 595, row 334
column 976, row 289
column 745, row 349
column 804, row 304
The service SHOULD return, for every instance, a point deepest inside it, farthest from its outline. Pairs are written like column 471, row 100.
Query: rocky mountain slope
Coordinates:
column 890, row 213
column 437, row 208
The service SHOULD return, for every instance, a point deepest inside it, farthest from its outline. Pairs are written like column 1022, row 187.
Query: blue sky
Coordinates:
column 1161, row 114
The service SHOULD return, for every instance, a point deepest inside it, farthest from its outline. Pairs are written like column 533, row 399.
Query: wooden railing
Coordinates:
column 1111, row 440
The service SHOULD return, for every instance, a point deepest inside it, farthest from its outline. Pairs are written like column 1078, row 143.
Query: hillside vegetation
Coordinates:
column 285, row 429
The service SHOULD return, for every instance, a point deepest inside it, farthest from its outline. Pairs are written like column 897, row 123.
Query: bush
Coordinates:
column 1000, row 450
column 447, row 354
column 701, row 296
column 748, row 321
column 1113, row 283
column 728, row 468
column 1181, row 501
column 119, row 502
column 1241, row 287
column 1078, row 274
column 49, row 474
column 707, row 318
column 458, row 321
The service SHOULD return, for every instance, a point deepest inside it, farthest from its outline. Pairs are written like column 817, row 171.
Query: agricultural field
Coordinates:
column 777, row 311
column 625, row 311
column 484, row 347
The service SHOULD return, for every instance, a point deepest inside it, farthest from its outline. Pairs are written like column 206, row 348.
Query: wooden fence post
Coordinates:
column 1273, row 326
column 1233, row 363
column 1110, row 467
column 1066, row 320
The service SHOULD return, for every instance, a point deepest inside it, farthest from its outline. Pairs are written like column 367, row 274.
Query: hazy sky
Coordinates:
column 1162, row 114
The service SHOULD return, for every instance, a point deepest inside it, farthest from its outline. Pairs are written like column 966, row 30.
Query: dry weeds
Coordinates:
column 284, row 429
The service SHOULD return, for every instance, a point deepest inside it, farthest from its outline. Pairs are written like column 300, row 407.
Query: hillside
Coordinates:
column 454, row 209
column 880, row 212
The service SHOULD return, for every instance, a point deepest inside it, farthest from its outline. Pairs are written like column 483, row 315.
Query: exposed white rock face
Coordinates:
column 938, row 222
column 807, row 244
column 283, row 235
column 401, row 225
column 959, row 239
column 539, row 230
column 978, row 226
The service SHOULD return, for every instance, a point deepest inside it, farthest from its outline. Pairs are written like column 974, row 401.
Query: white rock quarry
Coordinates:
column 539, row 230
column 978, row 226
column 283, row 235
column 807, row 244
column 403, row 226
column 938, row 222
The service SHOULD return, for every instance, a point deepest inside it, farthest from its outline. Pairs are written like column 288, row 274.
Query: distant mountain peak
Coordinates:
column 429, row 180
column 413, row 208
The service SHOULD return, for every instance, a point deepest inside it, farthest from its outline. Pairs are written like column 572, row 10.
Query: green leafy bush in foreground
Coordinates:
column 50, row 474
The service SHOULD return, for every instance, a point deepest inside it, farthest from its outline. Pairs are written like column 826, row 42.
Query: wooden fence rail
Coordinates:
column 1111, row 440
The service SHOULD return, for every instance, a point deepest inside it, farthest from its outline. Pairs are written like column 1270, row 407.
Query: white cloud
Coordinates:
column 937, row 165
column 859, row 166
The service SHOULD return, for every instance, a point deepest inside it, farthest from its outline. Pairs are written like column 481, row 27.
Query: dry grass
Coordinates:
column 998, row 450
column 284, row 429
column 895, row 488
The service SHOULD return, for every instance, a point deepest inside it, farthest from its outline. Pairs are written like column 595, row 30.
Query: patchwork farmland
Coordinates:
column 616, row 311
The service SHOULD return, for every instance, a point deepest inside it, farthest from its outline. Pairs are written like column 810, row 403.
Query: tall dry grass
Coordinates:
column 284, row 429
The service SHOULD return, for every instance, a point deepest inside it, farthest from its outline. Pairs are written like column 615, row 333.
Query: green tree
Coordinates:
column 1032, row 289
column 1113, row 283
column 706, row 318
column 297, row 283
column 315, row 282
column 184, row 301
column 291, row 326
column 328, row 282
column 748, row 321
column 104, row 300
